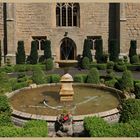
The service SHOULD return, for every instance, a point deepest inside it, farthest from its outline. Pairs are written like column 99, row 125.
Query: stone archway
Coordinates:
column 67, row 49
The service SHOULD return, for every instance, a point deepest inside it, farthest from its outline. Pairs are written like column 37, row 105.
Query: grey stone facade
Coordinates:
column 25, row 20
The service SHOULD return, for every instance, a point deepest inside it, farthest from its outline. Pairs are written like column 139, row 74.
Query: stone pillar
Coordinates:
column 11, row 42
column 123, row 35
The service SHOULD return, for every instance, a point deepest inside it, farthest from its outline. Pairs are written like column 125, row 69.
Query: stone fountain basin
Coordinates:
column 28, row 116
column 66, row 63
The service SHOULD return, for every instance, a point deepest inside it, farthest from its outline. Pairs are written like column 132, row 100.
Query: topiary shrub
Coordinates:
column 135, row 59
column 110, row 65
column 99, row 50
column 132, row 50
column 85, row 63
column 33, row 58
column 47, row 49
column 38, row 76
column 41, row 59
column 55, row 78
column 105, row 57
column 130, row 110
column 113, row 50
column 125, row 58
column 88, row 45
column 127, row 81
column 20, row 54
column 48, row 78
column 49, row 64
column 111, row 83
column 110, row 75
column 80, row 78
column 137, row 90
column 98, row 66
column 120, row 66
column 93, row 76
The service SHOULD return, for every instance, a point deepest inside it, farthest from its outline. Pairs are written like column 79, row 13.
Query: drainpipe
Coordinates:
column 5, row 30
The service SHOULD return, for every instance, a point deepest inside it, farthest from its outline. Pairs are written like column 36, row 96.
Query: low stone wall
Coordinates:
column 28, row 116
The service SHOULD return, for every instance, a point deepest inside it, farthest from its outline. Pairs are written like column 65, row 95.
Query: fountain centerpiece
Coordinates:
column 66, row 91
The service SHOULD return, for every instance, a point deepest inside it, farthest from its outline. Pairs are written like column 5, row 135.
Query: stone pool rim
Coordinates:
column 28, row 116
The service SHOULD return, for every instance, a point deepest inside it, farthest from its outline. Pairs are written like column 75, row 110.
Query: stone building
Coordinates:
column 67, row 24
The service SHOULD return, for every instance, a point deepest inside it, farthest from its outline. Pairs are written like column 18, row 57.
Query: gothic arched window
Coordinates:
column 67, row 14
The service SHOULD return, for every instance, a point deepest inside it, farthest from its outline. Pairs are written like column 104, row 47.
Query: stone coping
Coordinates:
column 53, row 118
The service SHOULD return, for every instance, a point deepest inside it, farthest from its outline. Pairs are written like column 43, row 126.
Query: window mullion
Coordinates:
column 60, row 15
column 66, row 15
column 72, row 15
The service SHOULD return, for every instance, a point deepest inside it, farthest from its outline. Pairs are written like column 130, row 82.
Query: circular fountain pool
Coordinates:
column 44, row 100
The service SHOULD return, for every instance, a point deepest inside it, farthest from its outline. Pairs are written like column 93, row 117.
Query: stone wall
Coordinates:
column 132, row 24
column 1, row 21
column 40, row 20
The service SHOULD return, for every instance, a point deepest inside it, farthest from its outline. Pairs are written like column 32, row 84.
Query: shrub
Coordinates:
column 99, row 50
column 55, row 78
column 19, row 68
column 85, row 63
column 135, row 59
column 5, row 119
column 19, row 85
column 5, row 85
column 120, row 66
column 110, row 65
column 80, row 78
column 0, row 54
column 132, row 50
column 127, row 81
column 38, row 76
column 105, row 58
column 35, row 128
column 7, row 69
column 95, row 126
column 88, row 45
column 111, row 83
column 130, row 110
column 93, row 76
column 11, row 131
column 110, row 75
column 33, row 58
column 41, row 59
column 98, row 66
column 20, row 54
column 4, row 105
column 48, row 78
column 137, row 90
column 125, row 58
column 113, row 50
column 47, row 49
column 49, row 64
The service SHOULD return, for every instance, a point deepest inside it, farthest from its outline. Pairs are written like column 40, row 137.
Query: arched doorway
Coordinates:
column 67, row 49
